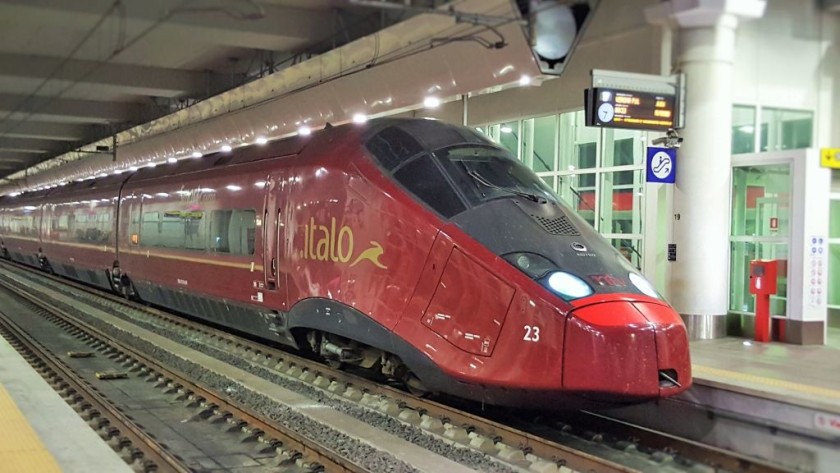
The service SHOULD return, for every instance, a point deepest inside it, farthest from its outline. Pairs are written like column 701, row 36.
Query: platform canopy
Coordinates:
column 103, row 86
column 72, row 72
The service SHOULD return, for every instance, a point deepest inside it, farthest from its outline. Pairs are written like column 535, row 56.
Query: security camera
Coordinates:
column 671, row 139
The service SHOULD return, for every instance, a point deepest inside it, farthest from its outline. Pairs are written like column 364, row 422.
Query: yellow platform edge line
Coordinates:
column 20, row 447
column 763, row 380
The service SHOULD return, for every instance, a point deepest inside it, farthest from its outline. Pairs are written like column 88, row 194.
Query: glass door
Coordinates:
column 760, row 230
column 834, row 261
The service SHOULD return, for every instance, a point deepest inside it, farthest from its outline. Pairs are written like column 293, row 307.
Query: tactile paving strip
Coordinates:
column 763, row 380
column 20, row 448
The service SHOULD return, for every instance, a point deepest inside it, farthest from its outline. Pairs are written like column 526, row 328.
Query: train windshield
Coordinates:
column 485, row 173
column 465, row 170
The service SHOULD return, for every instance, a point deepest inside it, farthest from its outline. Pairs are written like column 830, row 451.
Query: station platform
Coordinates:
column 807, row 376
column 774, row 401
column 39, row 432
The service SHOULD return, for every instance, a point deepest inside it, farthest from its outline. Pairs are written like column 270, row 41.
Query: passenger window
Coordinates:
column 86, row 226
column 173, row 229
column 425, row 180
column 233, row 231
column 193, row 230
column 393, row 146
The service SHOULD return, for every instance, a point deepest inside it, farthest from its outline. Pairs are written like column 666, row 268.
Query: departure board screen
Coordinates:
column 614, row 108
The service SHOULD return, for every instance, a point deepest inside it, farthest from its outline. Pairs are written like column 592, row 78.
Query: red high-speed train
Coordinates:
column 414, row 248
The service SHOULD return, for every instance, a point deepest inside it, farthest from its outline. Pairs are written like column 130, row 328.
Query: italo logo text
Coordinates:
column 324, row 243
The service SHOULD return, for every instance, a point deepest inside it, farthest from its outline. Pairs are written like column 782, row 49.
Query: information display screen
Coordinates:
column 615, row 108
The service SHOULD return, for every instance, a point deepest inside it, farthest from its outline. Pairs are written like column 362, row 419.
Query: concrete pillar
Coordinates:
column 705, row 50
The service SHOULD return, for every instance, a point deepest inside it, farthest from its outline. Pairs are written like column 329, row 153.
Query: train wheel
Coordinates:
column 45, row 265
column 415, row 386
column 127, row 289
column 113, row 283
column 334, row 364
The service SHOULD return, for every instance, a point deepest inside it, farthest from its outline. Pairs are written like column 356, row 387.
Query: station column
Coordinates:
column 704, row 42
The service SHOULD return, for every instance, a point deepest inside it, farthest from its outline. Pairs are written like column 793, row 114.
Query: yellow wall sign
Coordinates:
column 830, row 158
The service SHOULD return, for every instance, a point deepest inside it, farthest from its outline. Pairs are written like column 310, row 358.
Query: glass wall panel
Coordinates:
column 509, row 134
column 760, row 230
column 578, row 143
column 621, row 202
column 834, row 219
column 834, row 275
column 581, row 197
column 623, row 148
column 629, row 248
column 740, row 299
column 833, row 281
column 540, row 143
column 549, row 180
column 761, row 200
column 743, row 129
column 786, row 129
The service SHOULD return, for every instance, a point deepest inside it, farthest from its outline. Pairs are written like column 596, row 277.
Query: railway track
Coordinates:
column 137, row 446
column 547, row 448
column 136, row 443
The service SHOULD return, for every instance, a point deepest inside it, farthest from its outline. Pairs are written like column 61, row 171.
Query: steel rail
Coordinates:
column 716, row 457
column 330, row 460
column 162, row 461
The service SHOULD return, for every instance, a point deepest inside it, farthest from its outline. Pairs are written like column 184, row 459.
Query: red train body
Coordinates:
column 410, row 247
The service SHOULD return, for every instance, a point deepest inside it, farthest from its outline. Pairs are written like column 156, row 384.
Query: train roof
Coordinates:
column 432, row 134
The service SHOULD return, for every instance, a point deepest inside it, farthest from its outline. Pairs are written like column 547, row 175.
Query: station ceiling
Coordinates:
column 73, row 72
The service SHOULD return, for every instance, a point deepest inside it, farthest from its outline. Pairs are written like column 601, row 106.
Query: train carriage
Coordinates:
column 78, row 237
column 20, row 229
column 412, row 248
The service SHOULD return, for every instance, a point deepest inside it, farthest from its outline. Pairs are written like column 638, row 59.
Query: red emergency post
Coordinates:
column 763, row 275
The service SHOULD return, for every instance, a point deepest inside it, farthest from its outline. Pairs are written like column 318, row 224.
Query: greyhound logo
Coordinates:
column 371, row 254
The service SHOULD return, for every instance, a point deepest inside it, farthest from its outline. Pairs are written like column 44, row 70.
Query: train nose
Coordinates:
column 628, row 349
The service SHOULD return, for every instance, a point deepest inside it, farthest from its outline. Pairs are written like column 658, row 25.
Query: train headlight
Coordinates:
column 644, row 285
column 568, row 286
column 541, row 269
column 531, row 264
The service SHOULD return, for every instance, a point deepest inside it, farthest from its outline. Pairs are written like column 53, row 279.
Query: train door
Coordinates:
column 131, row 220
column 273, row 239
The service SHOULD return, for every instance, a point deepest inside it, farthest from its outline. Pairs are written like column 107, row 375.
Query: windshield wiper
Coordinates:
column 483, row 181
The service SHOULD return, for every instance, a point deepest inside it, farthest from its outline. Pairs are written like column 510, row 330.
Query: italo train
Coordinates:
column 412, row 248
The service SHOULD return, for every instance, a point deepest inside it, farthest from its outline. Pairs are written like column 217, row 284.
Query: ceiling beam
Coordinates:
column 224, row 23
column 31, row 145
column 87, row 110
column 9, row 167
column 20, row 159
column 49, row 131
column 135, row 80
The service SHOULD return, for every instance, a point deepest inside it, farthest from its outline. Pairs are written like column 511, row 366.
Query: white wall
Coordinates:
column 790, row 58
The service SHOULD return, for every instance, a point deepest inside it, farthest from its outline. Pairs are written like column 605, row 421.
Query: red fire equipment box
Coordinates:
column 763, row 275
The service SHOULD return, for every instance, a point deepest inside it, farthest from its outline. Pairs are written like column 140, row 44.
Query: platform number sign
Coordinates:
column 661, row 165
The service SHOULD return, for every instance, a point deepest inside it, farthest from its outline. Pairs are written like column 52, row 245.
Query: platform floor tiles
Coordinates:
column 39, row 432
column 803, row 375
